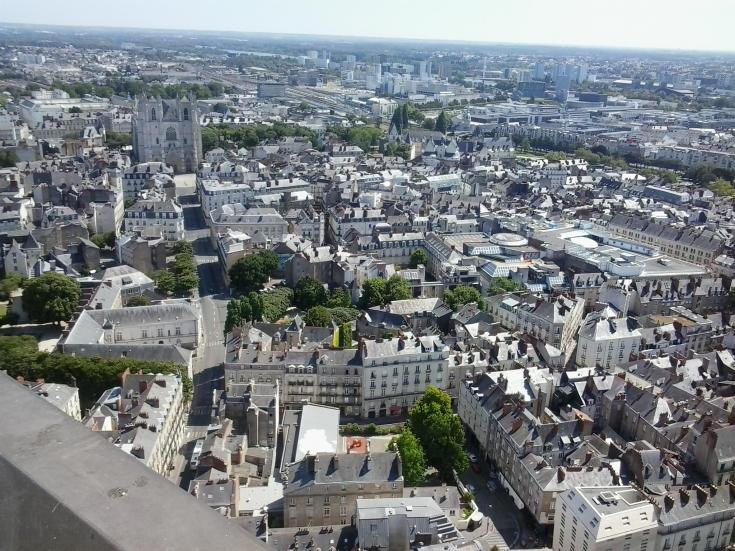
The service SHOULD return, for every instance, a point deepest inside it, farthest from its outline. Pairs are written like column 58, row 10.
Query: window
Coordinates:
column 145, row 334
column 292, row 502
column 160, row 331
column 153, row 114
column 327, row 512
column 186, row 114
column 170, row 134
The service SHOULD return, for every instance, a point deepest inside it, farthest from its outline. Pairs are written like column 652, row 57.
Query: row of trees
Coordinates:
column 252, row 134
column 124, row 87
column 433, row 436
column 20, row 357
column 365, row 137
column 404, row 115
column 182, row 278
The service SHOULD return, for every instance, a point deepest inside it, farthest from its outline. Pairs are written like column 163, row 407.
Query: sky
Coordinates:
column 667, row 24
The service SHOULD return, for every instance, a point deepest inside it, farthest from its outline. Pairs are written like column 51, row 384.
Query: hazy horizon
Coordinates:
column 678, row 24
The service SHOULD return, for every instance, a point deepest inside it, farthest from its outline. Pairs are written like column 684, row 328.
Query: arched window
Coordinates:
column 186, row 113
column 153, row 114
column 170, row 134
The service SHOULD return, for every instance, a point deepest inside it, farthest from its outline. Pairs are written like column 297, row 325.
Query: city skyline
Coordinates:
column 544, row 24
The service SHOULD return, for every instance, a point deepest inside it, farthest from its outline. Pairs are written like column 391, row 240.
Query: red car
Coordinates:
column 475, row 467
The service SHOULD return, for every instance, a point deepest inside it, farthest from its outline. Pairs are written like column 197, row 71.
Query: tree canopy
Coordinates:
column 502, row 285
column 253, row 272
column 318, row 316
column 51, row 298
column 462, row 295
column 418, row 256
column 308, row 293
column 442, row 123
column 412, row 455
column 379, row 291
column 19, row 356
column 721, row 188
column 440, row 432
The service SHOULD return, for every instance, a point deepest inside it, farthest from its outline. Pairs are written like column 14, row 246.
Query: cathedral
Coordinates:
column 167, row 130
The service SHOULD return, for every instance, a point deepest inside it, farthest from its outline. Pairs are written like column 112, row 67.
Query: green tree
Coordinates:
column 721, row 188
column 183, row 247
column 396, row 121
column 373, row 293
column 442, row 123
column 378, row 291
column 275, row 303
column 503, row 285
column 344, row 315
column 8, row 158
column 462, row 295
column 234, row 315
column 412, row 455
column 419, row 256
column 19, row 356
column 253, row 272
column 10, row 283
column 138, row 300
column 51, row 298
column 428, row 124
column 404, row 115
column 440, row 432
column 397, row 288
column 165, row 282
column 318, row 316
column 257, row 305
column 345, row 335
column 339, row 298
column 106, row 239
column 309, row 293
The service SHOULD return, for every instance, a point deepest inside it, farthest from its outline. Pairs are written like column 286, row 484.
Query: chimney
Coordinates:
column 702, row 494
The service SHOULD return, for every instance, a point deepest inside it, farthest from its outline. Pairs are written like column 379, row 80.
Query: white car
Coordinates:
column 473, row 458
column 194, row 461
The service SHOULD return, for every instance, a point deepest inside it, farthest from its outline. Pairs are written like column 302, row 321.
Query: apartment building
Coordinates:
column 554, row 322
column 322, row 489
column 259, row 223
column 165, row 216
column 396, row 372
column 626, row 518
column 606, row 341
column 147, row 417
column 605, row 518
column 692, row 244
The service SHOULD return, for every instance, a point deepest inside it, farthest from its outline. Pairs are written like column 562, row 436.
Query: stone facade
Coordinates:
column 167, row 130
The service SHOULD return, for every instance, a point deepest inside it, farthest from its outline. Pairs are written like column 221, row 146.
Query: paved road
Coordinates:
column 506, row 523
column 207, row 368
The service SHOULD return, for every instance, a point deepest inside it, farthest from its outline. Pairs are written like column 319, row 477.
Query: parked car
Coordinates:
column 475, row 467
column 474, row 458
column 470, row 487
column 491, row 485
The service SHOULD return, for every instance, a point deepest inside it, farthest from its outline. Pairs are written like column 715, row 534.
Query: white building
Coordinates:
column 604, row 518
column 396, row 372
column 606, row 340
